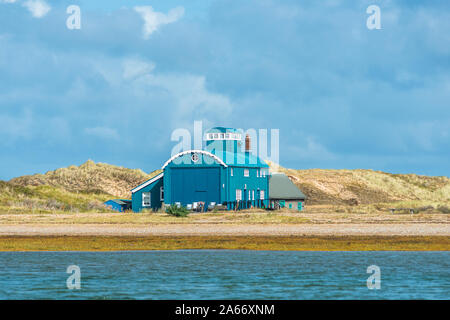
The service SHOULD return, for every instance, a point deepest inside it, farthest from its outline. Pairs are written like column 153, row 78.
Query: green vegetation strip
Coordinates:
column 300, row 243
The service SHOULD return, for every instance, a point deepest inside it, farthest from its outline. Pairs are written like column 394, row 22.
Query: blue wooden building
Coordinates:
column 221, row 174
column 120, row 205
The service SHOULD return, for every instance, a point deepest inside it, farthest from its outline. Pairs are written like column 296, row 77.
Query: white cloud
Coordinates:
column 13, row 127
column 7, row 1
column 38, row 8
column 185, row 97
column 133, row 68
column 102, row 132
column 153, row 20
column 192, row 99
column 310, row 150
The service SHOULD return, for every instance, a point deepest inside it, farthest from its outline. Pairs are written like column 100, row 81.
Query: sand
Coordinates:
column 405, row 229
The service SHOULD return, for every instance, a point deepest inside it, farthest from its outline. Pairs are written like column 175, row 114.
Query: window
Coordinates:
column 257, row 173
column 264, row 173
column 246, row 173
column 161, row 193
column 227, row 136
column 222, row 136
column 216, row 136
column 261, row 195
column 238, row 194
column 146, row 199
column 253, row 194
column 231, row 171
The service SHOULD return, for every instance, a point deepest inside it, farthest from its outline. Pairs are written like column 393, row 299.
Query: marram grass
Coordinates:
column 294, row 243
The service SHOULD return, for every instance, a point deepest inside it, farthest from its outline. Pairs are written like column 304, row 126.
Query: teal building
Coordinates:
column 222, row 174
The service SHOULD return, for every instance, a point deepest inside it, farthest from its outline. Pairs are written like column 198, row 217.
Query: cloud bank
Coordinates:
column 342, row 96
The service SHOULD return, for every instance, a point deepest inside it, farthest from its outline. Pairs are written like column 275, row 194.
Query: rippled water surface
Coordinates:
column 222, row 274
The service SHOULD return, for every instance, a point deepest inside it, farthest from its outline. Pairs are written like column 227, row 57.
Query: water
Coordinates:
column 223, row 274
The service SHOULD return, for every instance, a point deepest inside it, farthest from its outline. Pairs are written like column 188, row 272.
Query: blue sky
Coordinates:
column 343, row 96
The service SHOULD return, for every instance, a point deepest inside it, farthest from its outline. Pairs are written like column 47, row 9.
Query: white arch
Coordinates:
column 194, row 151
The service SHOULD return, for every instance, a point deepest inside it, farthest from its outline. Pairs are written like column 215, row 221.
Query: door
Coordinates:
column 193, row 184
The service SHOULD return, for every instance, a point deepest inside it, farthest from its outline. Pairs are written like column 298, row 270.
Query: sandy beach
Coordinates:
column 251, row 230
column 405, row 229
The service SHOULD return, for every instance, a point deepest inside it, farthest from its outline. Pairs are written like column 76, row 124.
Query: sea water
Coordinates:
column 224, row 274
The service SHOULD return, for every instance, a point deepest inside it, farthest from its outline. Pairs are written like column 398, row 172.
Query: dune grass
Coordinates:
column 326, row 186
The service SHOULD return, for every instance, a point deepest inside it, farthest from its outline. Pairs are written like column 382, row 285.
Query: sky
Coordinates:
column 342, row 96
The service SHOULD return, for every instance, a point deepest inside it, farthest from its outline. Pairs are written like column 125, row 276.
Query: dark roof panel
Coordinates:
column 281, row 187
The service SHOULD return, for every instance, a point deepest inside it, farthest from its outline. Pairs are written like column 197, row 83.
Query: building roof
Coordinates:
column 146, row 183
column 120, row 201
column 194, row 151
column 281, row 187
column 242, row 159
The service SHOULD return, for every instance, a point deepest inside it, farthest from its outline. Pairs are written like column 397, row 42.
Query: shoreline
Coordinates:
column 263, row 236
column 271, row 243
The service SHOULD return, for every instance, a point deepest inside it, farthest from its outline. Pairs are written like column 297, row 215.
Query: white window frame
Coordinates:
column 231, row 171
column 246, row 173
column 238, row 194
column 257, row 173
column 261, row 195
column 144, row 195
column 161, row 193
column 253, row 194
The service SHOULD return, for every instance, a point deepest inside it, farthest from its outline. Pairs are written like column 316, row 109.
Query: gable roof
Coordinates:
column 120, row 201
column 281, row 187
column 146, row 183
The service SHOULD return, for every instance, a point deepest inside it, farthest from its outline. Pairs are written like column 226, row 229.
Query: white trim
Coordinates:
column 144, row 195
column 246, row 172
column 194, row 151
column 157, row 177
column 238, row 194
